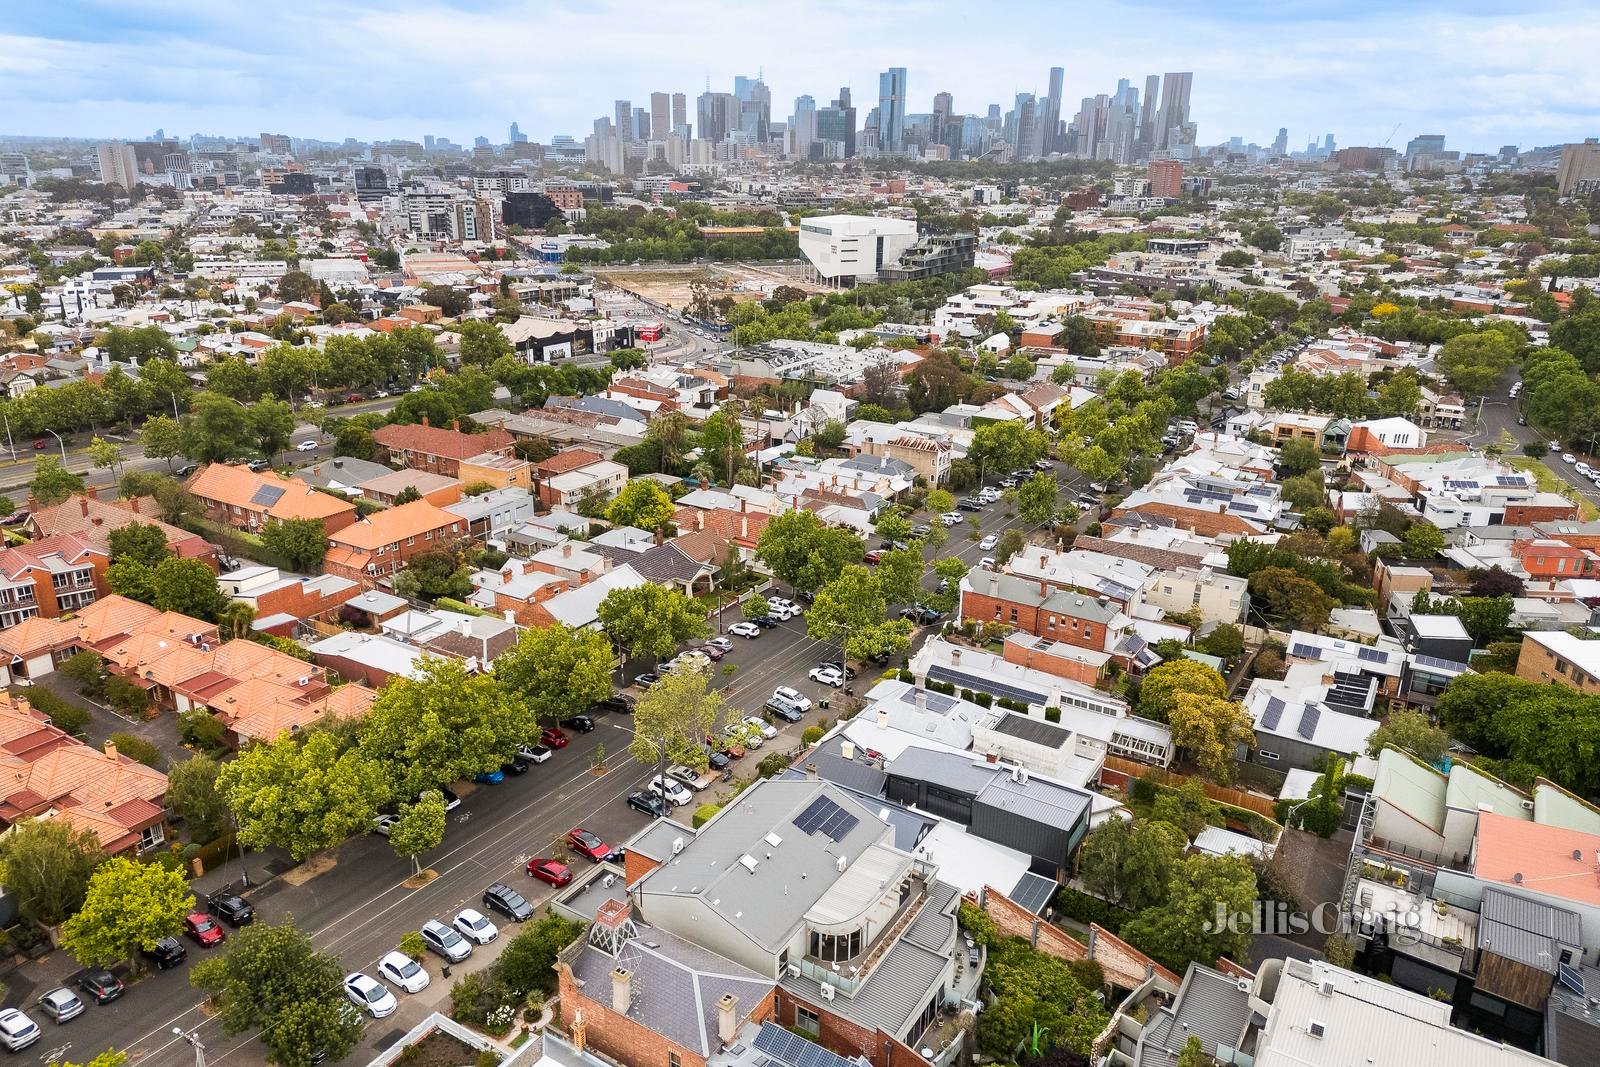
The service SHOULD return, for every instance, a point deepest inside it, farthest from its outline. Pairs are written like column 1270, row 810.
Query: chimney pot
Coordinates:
column 955, row 656
column 111, row 749
column 621, row 990
column 83, row 505
column 727, row 1019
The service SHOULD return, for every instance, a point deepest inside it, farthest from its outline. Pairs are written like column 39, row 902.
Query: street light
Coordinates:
column 194, row 1041
column 59, row 442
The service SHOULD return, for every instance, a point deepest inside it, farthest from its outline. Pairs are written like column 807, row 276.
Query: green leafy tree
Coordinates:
column 216, row 428
column 673, row 718
column 1423, row 541
column 557, row 670
column 1225, row 642
column 893, row 526
column 1005, row 446
column 192, row 793
column 52, row 483
column 104, row 454
column 1158, row 694
column 45, row 866
column 1413, row 732
column 1476, row 362
column 641, row 504
column 1183, row 929
column 420, row 827
column 849, row 605
column 527, row 965
column 650, row 621
column 1298, row 601
column 722, row 439
column 272, row 422
column 1187, row 807
column 1130, row 865
column 899, row 573
column 134, row 580
column 1036, row 499
column 482, row 343
column 804, row 553
column 303, row 792
column 128, row 906
column 273, row 978
column 940, row 500
column 1210, row 729
column 141, row 542
column 1299, row 456
column 1011, row 542
column 140, row 343
column 301, row 543
column 188, row 587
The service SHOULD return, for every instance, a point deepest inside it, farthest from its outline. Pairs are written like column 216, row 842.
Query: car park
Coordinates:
column 652, row 804
column 587, row 844
column 507, row 901
column 475, row 926
column 203, row 930
column 675, row 791
column 401, row 970
column 166, row 952
column 370, row 995
column 826, row 676
column 17, row 1031
column 793, row 696
column 550, row 871
column 232, row 909
column 101, row 985
column 61, row 1004
column 988, row 542
column 444, row 941
column 747, row 630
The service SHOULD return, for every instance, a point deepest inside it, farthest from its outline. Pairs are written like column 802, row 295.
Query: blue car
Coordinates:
column 490, row 777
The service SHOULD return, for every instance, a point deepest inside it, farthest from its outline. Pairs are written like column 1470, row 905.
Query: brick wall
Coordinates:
column 1528, row 514
column 1073, row 670
column 636, row 866
column 981, row 607
column 629, row 1043
column 1124, row 965
column 848, row 1038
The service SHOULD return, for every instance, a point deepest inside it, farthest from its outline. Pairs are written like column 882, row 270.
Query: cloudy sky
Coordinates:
column 1483, row 73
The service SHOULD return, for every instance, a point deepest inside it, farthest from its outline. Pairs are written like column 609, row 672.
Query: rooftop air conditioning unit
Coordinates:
column 677, row 845
column 826, row 991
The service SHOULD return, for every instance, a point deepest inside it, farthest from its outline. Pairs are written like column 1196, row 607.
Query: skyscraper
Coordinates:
column 515, row 135
column 1050, row 114
column 1147, row 114
column 892, row 111
column 1174, row 116
column 753, row 107
column 1025, row 127
column 1280, row 146
column 715, row 115
column 680, row 110
column 837, row 122
column 803, row 125
column 118, row 165
column 641, row 124
column 660, row 115
column 622, row 118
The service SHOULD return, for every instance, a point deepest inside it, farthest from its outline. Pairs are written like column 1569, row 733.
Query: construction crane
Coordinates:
column 1389, row 138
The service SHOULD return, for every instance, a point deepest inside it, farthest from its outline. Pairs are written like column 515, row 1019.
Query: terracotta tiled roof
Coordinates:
column 34, row 635
column 72, row 551
column 437, row 441
column 570, row 460
column 267, row 492
column 395, row 524
column 1537, row 858
column 725, row 523
column 111, row 616
column 95, row 519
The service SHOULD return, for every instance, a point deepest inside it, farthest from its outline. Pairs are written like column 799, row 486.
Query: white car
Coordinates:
column 826, row 675
column 793, row 696
column 384, row 823
column 740, row 732
column 782, row 602
column 987, row 563
column 475, row 926
column 370, row 995
column 533, row 753
column 1568, row 457
column 399, row 969
column 757, row 724
column 17, row 1031
column 951, row 518
column 781, row 612
column 672, row 789
column 747, row 630
column 988, row 542
column 306, row 446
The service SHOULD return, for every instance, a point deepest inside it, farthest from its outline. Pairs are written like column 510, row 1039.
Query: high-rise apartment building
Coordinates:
column 118, row 165
column 837, row 123
column 276, row 143
column 1166, row 178
column 641, row 124
column 680, row 110
column 1579, row 172
column 660, row 115
column 892, row 111
column 1050, row 113
column 803, row 125
column 1172, row 125
column 622, row 118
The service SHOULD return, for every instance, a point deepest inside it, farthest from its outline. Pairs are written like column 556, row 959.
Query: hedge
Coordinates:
column 1088, row 909
column 65, row 714
column 703, row 814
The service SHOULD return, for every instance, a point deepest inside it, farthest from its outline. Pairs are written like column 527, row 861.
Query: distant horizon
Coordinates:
column 1480, row 75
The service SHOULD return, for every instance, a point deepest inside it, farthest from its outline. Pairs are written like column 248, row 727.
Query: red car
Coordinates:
column 553, row 737
column 203, row 929
column 546, row 870
column 587, row 844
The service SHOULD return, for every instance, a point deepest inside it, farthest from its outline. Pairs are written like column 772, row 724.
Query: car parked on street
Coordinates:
column 785, row 710
column 203, row 930
column 828, row 675
column 674, row 790
column 475, row 926
column 232, row 909
column 370, row 995
column 61, row 1004
column 552, row 737
column 581, row 723
column 761, row 726
column 550, row 871
column 166, row 952
column 652, row 804
column 501, row 898
column 401, row 970
column 17, row 1031
column 533, row 753
column 747, row 630
column 988, row 543
column 587, row 844
column 793, row 696
column 101, row 985
column 444, row 941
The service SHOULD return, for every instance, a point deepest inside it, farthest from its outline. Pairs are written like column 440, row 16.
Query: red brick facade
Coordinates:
column 845, row 1037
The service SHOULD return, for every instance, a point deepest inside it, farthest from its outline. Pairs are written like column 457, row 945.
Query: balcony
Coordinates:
column 848, row 975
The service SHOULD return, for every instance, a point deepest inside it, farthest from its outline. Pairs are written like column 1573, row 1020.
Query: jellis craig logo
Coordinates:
column 1278, row 918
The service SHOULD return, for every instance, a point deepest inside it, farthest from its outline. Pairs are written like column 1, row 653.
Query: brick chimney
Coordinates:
column 111, row 749
column 83, row 504
column 1044, row 588
column 727, row 1019
column 955, row 657
column 92, row 492
column 744, row 527
column 133, row 504
column 621, row 990
column 455, row 424
column 566, row 550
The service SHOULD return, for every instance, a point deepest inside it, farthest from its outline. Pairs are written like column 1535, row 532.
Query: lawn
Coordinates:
column 1549, row 481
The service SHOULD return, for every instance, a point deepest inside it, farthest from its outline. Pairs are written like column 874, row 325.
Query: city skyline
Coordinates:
column 1481, row 77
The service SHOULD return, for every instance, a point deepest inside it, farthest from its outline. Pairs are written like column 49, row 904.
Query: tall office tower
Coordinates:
column 1050, row 114
column 892, row 111
column 641, row 124
column 803, row 125
column 1085, row 145
column 1280, row 145
column 660, row 115
column 714, row 115
column 427, row 142
column 1147, row 113
column 992, row 119
column 515, row 135
column 1425, row 144
column 680, row 110
column 974, row 134
column 752, row 110
column 1174, row 116
column 622, row 118
column 945, row 126
column 943, row 104
column 838, row 123
column 1123, row 124
column 480, row 141
column 1025, row 127
column 1327, row 144
column 118, row 165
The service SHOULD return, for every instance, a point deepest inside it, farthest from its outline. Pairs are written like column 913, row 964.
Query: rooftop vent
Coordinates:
column 748, row 862
column 1316, row 1029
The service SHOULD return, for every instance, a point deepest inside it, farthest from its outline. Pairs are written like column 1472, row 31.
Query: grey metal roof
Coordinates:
column 655, row 840
column 1527, row 931
column 1210, row 1006
column 1037, row 731
column 1571, row 1026
column 1044, row 802
column 949, row 769
column 894, row 993
column 856, row 774
column 935, row 924
column 675, row 986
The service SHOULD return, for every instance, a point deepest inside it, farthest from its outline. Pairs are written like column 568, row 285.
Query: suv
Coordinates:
column 232, row 909
column 508, row 902
column 445, row 941
column 784, row 710
column 17, row 1031
column 166, row 952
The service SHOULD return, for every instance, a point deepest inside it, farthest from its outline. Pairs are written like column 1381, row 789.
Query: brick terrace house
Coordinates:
column 92, row 519
column 568, row 476
column 244, row 499
column 1038, row 608
column 50, row 774
column 381, row 543
column 282, row 601
column 50, row 577
column 1545, row 558
column 440, row 451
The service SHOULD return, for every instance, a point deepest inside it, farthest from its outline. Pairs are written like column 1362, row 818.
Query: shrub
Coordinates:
column 983, row 700
column 136, row 748
column 126, row 697
column 1052, row 714
column 1089, row 909
column 413, row 945
column 907, row 677
column 703, row 814
column 1142, row 791
column 201, row 729
column 811, row 735
column 65, row 714
column 772, row 763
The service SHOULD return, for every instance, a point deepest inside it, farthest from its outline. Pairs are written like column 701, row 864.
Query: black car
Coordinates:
column 622, row 705
column 514, row 766
column 922, row 616
column 766, row 622
column 232, row 909
column 718, row 760
column 186, row 470
column 581, row 723
column 652, row 804
column 843, row 668
column 508, row 902
column 167, row 952
column 970, row 504
column 100, row 984
column 784, row 710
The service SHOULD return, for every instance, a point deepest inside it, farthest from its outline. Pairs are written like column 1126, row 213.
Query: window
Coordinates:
column 1088, row 631
column 1013, row 614
column 804, row 1019
column 410, row 541
column 1264, row 754
column 150, row 837
column 673, row 1060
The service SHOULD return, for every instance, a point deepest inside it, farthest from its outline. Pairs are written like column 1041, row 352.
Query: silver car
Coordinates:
column 61, row 1004
column 17, row 1031
column 444, row 941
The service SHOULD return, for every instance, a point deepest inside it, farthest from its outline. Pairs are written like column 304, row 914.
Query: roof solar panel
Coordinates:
column 823, row 816
column 1308, row 721
column 1570, row 978
column 1372, row 655
column 267, row 495
column 1273, row 714
column 794, row 1050
column 1306, row 651
column 1435, row 661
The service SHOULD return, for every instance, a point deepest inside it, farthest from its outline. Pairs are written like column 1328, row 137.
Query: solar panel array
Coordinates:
column 268, row 495
column 1034, row 891
column 940, row 703
column 1305, row 651
column 1273, row 715
column 795, row 1050
column 823, row 816
column 1308, row 721
column 1571, row 978
column 1372, row 655
column 1435, row 661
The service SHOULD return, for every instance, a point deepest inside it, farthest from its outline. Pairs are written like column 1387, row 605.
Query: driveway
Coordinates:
column 162, row 731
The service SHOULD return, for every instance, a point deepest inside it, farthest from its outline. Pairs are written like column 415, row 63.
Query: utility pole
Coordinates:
column 194, row 1041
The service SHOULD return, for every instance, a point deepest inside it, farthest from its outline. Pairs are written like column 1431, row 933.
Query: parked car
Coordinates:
column 444, row 941
column 761, row 726
column 781, row 612
column 827, row 676
column 674, row 790
column 971, row 504
column 475, row 926
column 581, row 723
column 988, row 543
column 259, row 465
column 307, row 445
column 62, row 1004
column 646, row 680
column 552, row 737
column 696, row 780
column 533, row 753
column 987, row 563
column 232, row 909
column 950, row 518
column 587, row 844
column 717, row 761
column 622, row 705
column 16, row 518
column 874, row 557
column 203, row 930
column 921, row 529
column 652, row 804
column 100, row 984
column 166, row 952
column 923, row 616
column 494, row 777
column 384, row 823
column 508, row 902
column 370, row 995
column 784, row 710
column 793, row 696
column 740, row 732
column 548, row 870
column 711, row 652
column 186, row 470
column 720, row 643
column 397, row 968
column 17, row 1031
column 747, row 630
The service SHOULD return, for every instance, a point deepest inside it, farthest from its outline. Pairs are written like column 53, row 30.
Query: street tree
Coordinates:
column 192, row 793
column 893, row 526
column 1210, row 728
column 939, row 501
column 128, row 906
column 1011, row 542
column 650, row 621
column 272, row 422
column 804, row 553
column 420, row 827
column 1158, row 694
column 216, row 429
column 45, row 866
column 52, row 483
column 1036, row 499
column 642, row 504
column 303, row 792
column 1299, row 456
column 673, row 718
column 1006, row 446
column 482, row 343
column 301, row 543
column 1476, row 362
column 899, row 574
column 755, row 606
column 105, row 455
column 557, row 670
